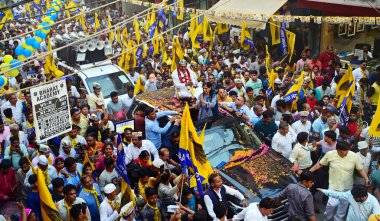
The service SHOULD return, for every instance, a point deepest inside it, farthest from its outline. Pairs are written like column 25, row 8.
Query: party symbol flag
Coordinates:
column 246, row 39
column 121, row 169
column 345, row 82
column 191, row 152
column 345, row 104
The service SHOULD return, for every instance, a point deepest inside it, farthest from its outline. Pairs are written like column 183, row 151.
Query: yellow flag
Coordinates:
column 191, row 150
column 139, row 87
column 291, row 38
column 198, row 30
column 180, row 10
column 374, row 128
column 268, row 60
column 126, row 194
column 67, row 11
column 47, row 4
column 137, row 30
column 246, row 41
column 147, row 22
column 207, row 31
column 193, row 25
column 49, row 211
column 122, row 58
column 349, row 95
column 274, row 31
column 222, row 28
column 345, row 82
column 118, row 35
column 8, row 15
column 97, row 23
column 156, row 42
column 87, row 160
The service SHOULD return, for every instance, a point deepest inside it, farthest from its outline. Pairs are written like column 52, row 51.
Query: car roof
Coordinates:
column 100, row 70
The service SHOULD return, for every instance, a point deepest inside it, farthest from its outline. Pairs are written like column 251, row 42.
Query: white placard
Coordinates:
column 51, row 110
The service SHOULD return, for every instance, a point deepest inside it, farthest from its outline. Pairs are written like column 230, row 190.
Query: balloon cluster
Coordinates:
column 31, row 44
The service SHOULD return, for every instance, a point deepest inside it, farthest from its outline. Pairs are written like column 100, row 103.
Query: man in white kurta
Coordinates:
column 110, row 205
column 184, row 79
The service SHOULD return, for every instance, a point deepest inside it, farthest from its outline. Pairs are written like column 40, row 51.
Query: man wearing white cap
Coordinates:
column 108, row 208
column 184, row 79
column 44, row 150
column 365, row 160
column 202, row 58
column 48, row 171
column 133, row 150
column 127, row 212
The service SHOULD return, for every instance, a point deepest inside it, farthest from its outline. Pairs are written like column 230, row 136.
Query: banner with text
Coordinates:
column 51, row 110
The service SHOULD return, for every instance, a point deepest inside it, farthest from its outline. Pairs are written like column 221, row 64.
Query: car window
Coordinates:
column 116, row 81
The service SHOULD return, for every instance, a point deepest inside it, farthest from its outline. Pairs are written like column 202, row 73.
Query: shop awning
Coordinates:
column 226, row 7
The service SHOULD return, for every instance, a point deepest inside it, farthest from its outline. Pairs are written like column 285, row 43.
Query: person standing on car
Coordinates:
column 301, row 204
column 153, row 130
column 218, row 193
column 257, row 211
column 184, row 80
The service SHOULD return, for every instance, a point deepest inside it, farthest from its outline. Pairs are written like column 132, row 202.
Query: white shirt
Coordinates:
column 365, row 160
column 251, row 213
column 358, row 74
column 21, row 136
column 282, row 144
column 210, row 206
column 63, row 210
column 128, row 102
column 132, row 152
column 74, row 91
column 182, row 86
column 301, row 155
column 106, row 212
column 298, row 127
column 16, row 111
column 134, row 77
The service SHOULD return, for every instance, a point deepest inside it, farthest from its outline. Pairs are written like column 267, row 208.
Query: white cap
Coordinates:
column 126, row 210
column 158, row 163
column 43, row 160
column 362, row 145
column 109, row 188
column 277, row 81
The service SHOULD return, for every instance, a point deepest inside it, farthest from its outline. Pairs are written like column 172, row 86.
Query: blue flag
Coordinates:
column 121, row 168
column 283, row 39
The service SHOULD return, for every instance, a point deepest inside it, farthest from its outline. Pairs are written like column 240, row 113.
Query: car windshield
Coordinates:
column 226, row 136
column 235, row 150
column 116, row 81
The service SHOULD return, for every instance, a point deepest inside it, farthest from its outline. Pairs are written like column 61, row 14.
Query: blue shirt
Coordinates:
column 153, row 130
column 33, row 202
column 318, row 126
column 73, row 178
column 357, row 211
column 91, row 202
column 14, row 156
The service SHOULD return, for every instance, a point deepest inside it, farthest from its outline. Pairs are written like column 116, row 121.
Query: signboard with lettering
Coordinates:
column 51, row 110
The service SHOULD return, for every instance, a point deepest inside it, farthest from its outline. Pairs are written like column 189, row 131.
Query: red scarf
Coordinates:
column 183, row 79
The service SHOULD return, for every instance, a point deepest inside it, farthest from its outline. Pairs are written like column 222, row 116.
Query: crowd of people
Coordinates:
column 340, row 160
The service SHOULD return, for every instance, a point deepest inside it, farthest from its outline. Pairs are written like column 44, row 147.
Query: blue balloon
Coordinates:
column 36, row 45
column 45, row 25
column 19, row 50
column 2, row 82
column 27, row 53
column 15, row 63
column 40, row 34
column 29, row 41
column 53, row 17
